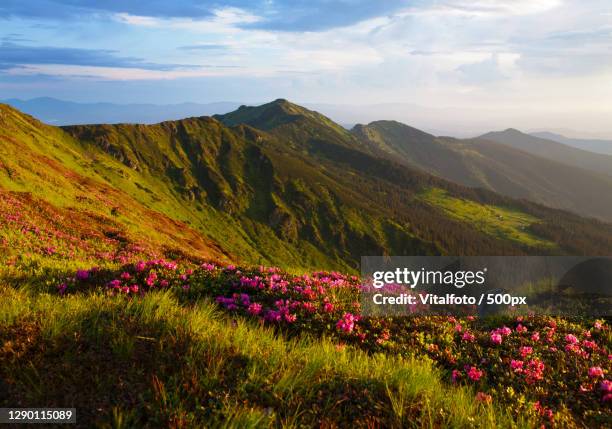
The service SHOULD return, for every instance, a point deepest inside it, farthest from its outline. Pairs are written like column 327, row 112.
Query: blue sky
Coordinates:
column 545, row 59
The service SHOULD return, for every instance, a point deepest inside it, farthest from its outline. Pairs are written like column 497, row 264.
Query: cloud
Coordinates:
column 277, row 15
column 486, row 8
column 14, row 55
column 487, row 71
column 204, row 47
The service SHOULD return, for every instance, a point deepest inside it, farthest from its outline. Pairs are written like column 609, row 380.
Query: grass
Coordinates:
column 501, row 222
column 150, row 362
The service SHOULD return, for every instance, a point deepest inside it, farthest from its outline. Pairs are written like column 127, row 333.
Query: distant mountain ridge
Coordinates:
column 58, row 112
column 552, row 150
column 592, row 145
column 495, row 166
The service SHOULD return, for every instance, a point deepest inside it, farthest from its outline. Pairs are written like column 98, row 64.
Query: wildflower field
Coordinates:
column 159, row 342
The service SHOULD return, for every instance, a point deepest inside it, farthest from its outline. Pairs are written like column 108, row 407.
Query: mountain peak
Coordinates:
column 278, row 113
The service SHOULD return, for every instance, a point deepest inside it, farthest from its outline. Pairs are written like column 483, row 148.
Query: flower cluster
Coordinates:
column 523, row 362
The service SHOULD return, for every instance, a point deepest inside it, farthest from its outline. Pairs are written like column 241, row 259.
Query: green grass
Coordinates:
column 501, row 222
column 152, row 362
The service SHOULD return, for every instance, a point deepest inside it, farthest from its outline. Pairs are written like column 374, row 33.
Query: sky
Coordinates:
column 456, row 63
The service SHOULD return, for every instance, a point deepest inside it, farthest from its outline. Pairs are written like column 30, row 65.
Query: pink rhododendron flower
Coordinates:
column 595, row 372
column 534, row 371
column 496, row 338
column 571, row 339
column 62, row 288
column 82, row 274
column 535, row 336
column 468, row 336
column 456, row 375
column 474, row 373
column 347, row 323
column 483, row 397
column 517, row 365
column 254, row 308
column 526, row 351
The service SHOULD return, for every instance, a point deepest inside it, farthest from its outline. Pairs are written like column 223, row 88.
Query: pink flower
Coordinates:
column 517, row 365
column 140, row 266
column 571, row 339
column 484, row 398
column 597, row 325
column 151, row 278
column 534, row 371
column 134, row 288
column 521, row 329
column 208, row 267
column 526, row 351
column 468, row 336
column 458, row 328
column 474, row 373
column 347, row 323
column 496, row 338
column 125, row 275
column 254, row 308
column 82, row 275
column 328, row 307
column 456, row 375
column 605, row 386
column 535, row 336
column 595, row 372
column 62, row 288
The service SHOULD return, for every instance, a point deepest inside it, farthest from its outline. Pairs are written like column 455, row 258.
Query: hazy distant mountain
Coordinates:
column 592, row 145
column 490, row 165
column 59, row 112
column 553, row 150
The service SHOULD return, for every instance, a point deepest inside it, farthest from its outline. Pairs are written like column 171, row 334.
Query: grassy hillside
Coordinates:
column 143, row 345
column 513, row 171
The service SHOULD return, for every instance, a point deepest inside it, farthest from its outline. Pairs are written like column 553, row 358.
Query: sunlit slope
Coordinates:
column 64, row 195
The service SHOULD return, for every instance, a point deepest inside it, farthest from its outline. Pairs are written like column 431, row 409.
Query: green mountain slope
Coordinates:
column 498, row 167
column 301, row 194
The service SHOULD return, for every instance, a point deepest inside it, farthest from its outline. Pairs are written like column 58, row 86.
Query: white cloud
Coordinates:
column 488, row 8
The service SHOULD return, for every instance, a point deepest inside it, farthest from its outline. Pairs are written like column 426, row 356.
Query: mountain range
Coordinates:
column 509, row 162
column 281, row 184
column 592, row 145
